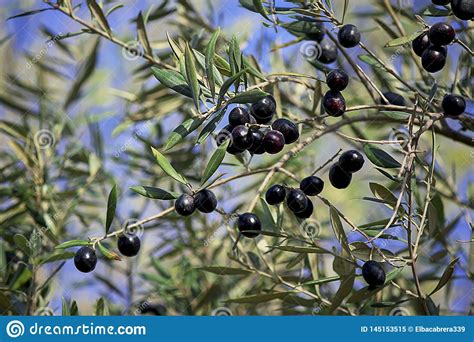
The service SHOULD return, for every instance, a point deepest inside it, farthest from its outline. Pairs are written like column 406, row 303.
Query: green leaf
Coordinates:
column 187, row 127
column 24, row 14
column 142, row 35
column 396, row 115
column 111, row 206
column 191, row 75
column 210, row 126
column 97, row 13
column 65, row 307
column 403, row 40
column 101, row 308
column 297, row 249
column 249, row 96
column 223, row 270
column 58, row 256
column 108, row 253
column 173, row 80
column 167, row 168
column 447, row 274
column 258, row 4
column 216, row 160
column 371, row 61
column 225, row 87
column 260, row 298
column 73, row 243
column 22, row 243
column 383, row 193
column 339, row 230
column 210, row 52
column 379, row 157
column 155, row 193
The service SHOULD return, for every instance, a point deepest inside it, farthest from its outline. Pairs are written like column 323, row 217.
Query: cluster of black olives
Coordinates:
column 462, row 9
column 245, row 134
column 85, row 259
column 340, row 173
column 333, row 101
column 297, row 200
column 431, row 46
column 327, row 49
column 205, row 201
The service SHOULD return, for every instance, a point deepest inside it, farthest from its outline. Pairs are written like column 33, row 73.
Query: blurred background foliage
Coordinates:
column 79, row 112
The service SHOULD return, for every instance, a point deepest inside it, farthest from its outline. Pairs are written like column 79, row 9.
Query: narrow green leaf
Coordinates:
column 403, row 40
column 73, row 243
column 155, row 193
column 187, row 127
column 225, row 87
column 57, row 257
column 210, row 52
column 191, row 75
column 383, row 193
column 396, row 115
column 223, row 270
column 297, row 249
column 167, row 167
column 258, row 4
column 260, row 298
column 111, row 206
column 97, row 13
column 379, row 157
column 108, row 253
column 24, row 14
column 447, row 274
column 173, row 80
column 142, row 35
column 22, row 243
column 339, row 230
column 371, row 61
column 249, row 96
column 210, row 126
column 216, row 160
column 65, row 307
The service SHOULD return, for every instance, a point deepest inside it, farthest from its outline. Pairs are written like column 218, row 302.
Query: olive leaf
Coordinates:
column 183, row 130
column 403, row 40
column 111, row 206
column 223, row 270
column 379, row 157
column 73, row 243
column 97, row 13
column 155, row 193
column 173, row 80
column 249, row 96
column 260, row 298
column 210, row 52
column 58, row 257
column 22, row 243
column 225, row 87
column 447, row 274
column 165, row 165
column 108, row 253
column 371, row 61
column 339, row 230
column 142, row 35
column 191, row 75
column 215, row 161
